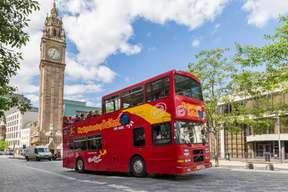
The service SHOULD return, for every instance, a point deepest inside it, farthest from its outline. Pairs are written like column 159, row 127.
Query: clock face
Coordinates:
column 54, row 54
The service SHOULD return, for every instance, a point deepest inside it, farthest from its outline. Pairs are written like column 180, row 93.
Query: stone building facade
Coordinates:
column 52, row 66
column 15, row 122
column 2, row 129
column 256, row 142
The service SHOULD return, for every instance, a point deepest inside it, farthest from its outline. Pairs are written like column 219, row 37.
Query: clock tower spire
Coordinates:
column 52, row 66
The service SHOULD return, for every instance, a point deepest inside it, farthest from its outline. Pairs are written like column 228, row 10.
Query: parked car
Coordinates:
column 2, row 153
column 9, row 152
column 37, row 153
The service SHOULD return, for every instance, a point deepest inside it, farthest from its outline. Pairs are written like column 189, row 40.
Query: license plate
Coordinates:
column 200, row 167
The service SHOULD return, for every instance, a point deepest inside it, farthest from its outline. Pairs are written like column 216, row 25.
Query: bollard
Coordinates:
column 270, row 167
column 249, row 165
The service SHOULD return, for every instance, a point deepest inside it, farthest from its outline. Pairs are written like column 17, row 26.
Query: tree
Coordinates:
column 271, row 59
column 13, row 20
column 214, row 70
column 267, row 67
column 3, row 145
column 264, row 71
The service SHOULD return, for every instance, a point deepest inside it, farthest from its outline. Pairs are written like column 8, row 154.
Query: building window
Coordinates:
column 112, row 104
column 138, row 137
column 158, row 89
column 227, row 108
column 95, row 142
column 161, row 134
column 133, row 97
column 264, row 126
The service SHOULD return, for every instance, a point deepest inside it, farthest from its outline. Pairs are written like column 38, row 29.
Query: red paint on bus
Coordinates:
column 164, row 131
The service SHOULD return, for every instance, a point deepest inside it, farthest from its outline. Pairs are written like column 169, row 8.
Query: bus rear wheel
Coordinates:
column 138, row 167
column 80, row 166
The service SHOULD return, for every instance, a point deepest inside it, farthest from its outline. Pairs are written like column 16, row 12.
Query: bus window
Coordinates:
column 187, row 87
column 133, row 97
column 138, row 137
column 112, row 104
column 80, row 144
column 71, row 147
column 95, row 142
column 161, row 133
column 158, row 89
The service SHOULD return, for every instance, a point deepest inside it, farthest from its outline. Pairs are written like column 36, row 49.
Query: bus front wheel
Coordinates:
column 138, row 167
column 80, row 165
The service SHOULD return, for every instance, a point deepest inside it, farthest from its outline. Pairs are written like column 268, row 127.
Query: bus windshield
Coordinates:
column 187, row 87
column 188, row 133
column 42, row 150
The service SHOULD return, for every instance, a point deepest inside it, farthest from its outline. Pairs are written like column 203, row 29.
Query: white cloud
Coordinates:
column 195, row 43
column 103, row 28
column 78, row 89
column 261, row 11
column 33, row 98
column 79, row 71
column 100, row 29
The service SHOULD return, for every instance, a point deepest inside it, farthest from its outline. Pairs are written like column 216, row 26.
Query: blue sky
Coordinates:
column 112, row 44
column 169, row 46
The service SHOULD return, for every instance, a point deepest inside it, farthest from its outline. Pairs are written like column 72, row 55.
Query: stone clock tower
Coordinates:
column 52, row 66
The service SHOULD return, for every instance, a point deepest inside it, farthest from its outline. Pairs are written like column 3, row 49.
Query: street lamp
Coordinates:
column 279, row 137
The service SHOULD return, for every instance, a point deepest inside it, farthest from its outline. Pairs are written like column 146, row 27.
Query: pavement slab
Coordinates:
column 22, row 176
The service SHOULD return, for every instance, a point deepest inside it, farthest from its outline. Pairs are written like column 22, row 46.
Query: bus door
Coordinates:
column 162, row 156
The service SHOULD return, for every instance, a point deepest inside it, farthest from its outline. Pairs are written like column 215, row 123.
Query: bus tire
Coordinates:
column 138, row 167
column 79, row 167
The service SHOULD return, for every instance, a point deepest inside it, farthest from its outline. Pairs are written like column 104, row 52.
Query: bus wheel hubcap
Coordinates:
column 80, row 165
column 138, row 166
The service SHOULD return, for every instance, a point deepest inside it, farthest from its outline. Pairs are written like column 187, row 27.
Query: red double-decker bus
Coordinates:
column 153, row 127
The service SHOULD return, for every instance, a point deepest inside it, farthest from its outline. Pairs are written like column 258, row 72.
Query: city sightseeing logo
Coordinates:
column 187, row 109
column 97, row 158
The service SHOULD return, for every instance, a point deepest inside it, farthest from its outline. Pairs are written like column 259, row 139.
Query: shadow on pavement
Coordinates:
column 193, row 176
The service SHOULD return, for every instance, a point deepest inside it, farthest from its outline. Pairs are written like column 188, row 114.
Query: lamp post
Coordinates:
column 279, row 137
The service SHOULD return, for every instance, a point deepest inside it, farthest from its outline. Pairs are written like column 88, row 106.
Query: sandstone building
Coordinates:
column 52, row 66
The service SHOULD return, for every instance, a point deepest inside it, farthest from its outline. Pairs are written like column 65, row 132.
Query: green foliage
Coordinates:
column 214, row 70
column 272, row 57
column 3, row 145
column 264, row 70
column 248, row 91
column 13, row 20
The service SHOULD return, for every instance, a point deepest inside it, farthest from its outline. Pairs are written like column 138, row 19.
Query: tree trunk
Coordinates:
column 216, row 137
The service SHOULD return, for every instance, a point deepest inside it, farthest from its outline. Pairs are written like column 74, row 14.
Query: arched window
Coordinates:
column 54, row 32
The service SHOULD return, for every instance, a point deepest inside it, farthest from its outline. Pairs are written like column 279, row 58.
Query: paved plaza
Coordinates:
column 18, row 175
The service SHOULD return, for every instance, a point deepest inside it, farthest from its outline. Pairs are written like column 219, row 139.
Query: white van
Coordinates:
column 37, row 153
